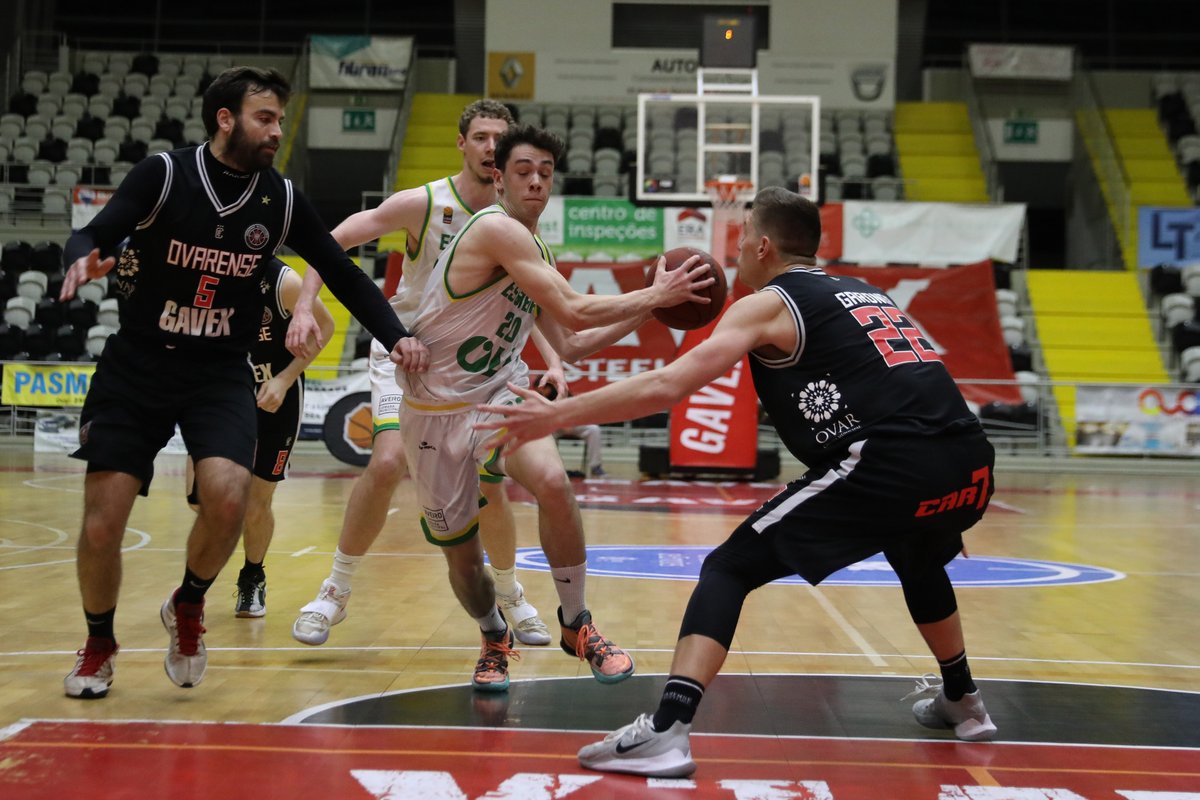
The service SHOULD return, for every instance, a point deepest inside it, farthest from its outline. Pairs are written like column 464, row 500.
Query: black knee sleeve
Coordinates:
column 929, row 595
column 726, row 577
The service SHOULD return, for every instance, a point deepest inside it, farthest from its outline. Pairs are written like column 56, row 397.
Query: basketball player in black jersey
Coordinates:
column 202, row 222
column 279, row 378
column 897, row 464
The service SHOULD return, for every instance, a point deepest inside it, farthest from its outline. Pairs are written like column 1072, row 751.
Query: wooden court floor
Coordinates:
column 1121, row 608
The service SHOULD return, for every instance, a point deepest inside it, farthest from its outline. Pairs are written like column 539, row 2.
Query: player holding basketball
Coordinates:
column 430, row 215
column 897, row 463
column 488, row 289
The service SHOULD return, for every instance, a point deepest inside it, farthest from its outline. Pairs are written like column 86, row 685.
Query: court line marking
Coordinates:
column 305, row 551
column 412, row 752
column 143, row 539
column 557, row 653
column 848, row 629
column 289, row 722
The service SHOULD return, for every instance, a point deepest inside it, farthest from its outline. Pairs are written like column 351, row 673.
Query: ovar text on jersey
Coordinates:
column 212, row 259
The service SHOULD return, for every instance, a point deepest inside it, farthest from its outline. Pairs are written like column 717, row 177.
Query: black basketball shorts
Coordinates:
column 277, row 434
column 141, row 391
column 908, row 498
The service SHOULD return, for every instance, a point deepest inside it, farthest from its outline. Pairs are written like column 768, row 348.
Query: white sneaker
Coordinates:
column 526, row 624
column 187, row 657
column 93, row 672
column 640, row 750
column 316, row 618
column 966, row 716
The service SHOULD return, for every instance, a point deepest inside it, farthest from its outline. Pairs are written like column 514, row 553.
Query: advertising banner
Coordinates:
column 601, row 229
column 930, row 233
column 1142, row 420
column 1168, row 236
column 1020, row 61
column 718, row 425
column 54, row 385
column 956, row 312
column 954, row 308
column 86, row 202
column 359, row 63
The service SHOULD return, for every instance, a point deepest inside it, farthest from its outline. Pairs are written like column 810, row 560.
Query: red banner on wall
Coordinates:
column 718, row 425
column 956, row 308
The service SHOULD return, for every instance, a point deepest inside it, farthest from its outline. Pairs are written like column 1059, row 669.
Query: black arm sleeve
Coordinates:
column 310, row 239
column 129, row 205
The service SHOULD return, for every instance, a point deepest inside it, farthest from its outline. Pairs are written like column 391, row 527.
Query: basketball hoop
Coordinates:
column 728, row 195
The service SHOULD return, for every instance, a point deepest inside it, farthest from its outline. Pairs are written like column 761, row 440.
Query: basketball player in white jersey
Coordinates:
column 492, row 284
column 431, row 215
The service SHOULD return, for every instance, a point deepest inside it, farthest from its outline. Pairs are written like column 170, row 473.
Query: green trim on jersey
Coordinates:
column 458, row 197
column 412, row 256
column 450, row 260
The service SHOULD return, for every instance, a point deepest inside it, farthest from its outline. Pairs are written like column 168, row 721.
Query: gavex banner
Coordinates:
column 955, row 309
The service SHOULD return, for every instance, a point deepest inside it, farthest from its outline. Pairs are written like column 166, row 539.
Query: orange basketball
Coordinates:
column 689, row 315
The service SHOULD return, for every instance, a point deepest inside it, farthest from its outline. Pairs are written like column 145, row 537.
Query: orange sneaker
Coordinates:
column 491, row 670
column 609, row 663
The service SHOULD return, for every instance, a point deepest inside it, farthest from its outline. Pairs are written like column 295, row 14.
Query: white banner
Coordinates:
column 618, row 76
column 320, row 395
column 359, row 63
column 86, row 202
column 931, row 234
column 1163, row 420
column 1020, row 61
column 57, row 431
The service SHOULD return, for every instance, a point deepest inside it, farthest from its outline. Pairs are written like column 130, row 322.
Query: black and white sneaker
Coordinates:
column 251, row 596
column 640, row 750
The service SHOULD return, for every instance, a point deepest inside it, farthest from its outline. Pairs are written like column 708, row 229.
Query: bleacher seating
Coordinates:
column 63, row 128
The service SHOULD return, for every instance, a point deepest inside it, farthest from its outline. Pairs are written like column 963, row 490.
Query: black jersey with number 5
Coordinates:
column 190, row 273
column 860, row 369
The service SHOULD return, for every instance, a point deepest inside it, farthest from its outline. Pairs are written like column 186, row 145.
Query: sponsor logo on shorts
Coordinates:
column 435, row 518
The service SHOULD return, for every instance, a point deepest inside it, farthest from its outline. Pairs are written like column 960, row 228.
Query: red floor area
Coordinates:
column 186, row 760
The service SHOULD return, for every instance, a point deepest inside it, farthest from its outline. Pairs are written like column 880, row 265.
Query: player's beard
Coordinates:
column 249, row 157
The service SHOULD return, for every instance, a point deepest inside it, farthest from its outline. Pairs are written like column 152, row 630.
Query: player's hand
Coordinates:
column 410, row 355
column 535, row 418
column 270, row 395
column 304, row 334
column 86, row 268
column 553, row 383
column 682, row 285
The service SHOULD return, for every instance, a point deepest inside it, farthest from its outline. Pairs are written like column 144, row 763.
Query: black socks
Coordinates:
column 193, row 588
column 100, row 626
column 956, row 677
column 680, row 698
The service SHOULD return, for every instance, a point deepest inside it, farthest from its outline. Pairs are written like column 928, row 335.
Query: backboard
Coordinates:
column 686, row 140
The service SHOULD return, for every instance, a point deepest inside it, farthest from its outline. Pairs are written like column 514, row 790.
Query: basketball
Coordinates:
column 688, row 315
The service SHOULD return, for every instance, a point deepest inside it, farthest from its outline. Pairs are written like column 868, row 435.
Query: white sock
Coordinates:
column 506, row 581
column 569, row 582
column 492, row 623
column 344, row 567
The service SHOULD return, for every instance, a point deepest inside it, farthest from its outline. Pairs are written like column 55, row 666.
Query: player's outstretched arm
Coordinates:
column 504, row 241
column 749, row 323
column 271, row 394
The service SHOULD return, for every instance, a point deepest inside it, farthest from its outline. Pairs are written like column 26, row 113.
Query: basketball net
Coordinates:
column 727, row 195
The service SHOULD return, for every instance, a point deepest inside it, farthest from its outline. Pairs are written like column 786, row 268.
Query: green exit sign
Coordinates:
column 358, row 120
column 1020, row 131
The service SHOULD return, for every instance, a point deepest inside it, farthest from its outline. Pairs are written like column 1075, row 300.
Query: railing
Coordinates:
column 396, row 147
column 983, row 138
column 1099, row 141
column 297, row 132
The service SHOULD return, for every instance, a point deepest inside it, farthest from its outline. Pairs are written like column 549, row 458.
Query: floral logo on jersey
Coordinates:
column 819, row 400
column 257, row 236
column 127, row 267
